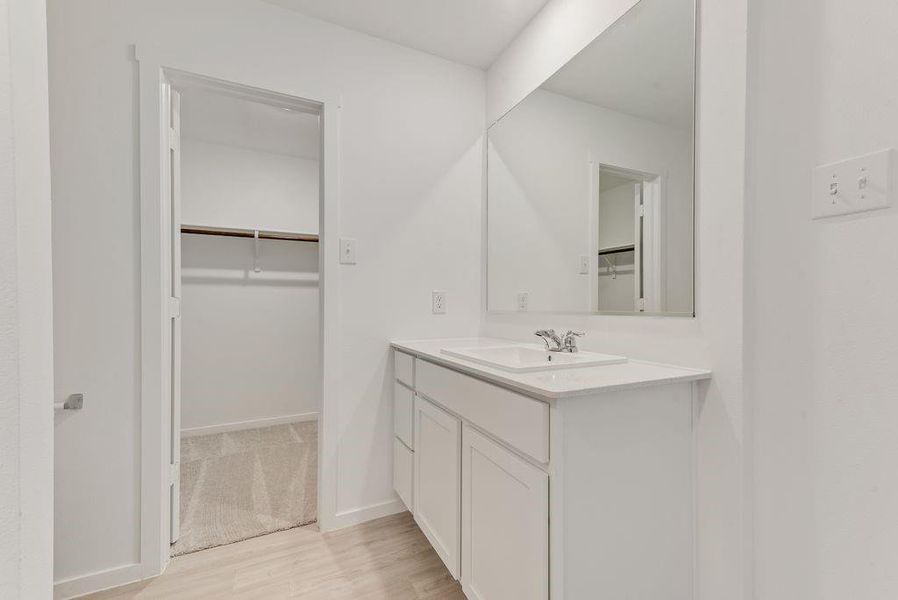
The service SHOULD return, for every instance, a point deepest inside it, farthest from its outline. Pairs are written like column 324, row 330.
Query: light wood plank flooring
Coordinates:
column 388, row 558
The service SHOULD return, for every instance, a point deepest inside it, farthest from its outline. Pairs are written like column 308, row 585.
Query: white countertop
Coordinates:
column 559, row 383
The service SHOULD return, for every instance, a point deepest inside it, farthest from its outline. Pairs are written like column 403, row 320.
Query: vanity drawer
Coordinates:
column 517, row 420
column 403, row 413
column 403, row 471
column 404, row 368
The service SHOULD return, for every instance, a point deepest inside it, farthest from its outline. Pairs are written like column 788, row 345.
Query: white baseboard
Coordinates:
column 363, row 514
column 95, row 582
column 118, row 576
column 251, row 424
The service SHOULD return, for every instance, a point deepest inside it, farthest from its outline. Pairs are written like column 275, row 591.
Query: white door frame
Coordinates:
column 654, row 271
column 174, row 177
column 155, row 425
column 650, row 255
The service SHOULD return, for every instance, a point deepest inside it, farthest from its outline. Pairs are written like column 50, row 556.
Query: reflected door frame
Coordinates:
column 649, row 250
column 648, row 235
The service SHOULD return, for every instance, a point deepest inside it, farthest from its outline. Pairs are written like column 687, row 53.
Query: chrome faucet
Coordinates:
column 554, row 343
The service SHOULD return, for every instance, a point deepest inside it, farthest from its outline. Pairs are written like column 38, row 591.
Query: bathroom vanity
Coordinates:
column 571, row 481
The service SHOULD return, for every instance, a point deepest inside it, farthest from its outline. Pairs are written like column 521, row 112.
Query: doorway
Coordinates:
column 628, row 240
column 272, row 257
column 246, row 390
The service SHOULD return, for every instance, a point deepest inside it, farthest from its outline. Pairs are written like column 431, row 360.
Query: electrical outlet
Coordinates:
column 347, row 251
column 584, row 265
column 523, row 301
column 438, row 302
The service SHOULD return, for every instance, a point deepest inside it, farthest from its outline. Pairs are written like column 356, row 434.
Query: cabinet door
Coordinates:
column 437, row 480
column 505, row 523
column 403, row 465
column 403, row 407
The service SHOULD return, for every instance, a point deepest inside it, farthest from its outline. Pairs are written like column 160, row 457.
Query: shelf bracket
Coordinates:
column 612, row 266
column 256, row 251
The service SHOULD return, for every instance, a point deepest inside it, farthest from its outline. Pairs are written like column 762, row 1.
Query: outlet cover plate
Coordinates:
column 347, row 251
column 584, row 265
column 438, row 302
column 851, row 186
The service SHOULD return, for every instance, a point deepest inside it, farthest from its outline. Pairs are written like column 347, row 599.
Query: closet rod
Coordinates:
column 617, row 250
column 250, row 233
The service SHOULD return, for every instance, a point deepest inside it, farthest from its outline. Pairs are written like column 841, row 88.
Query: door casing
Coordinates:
column 157, row 71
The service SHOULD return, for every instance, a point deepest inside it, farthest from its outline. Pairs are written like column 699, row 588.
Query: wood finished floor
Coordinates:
column 388, row 558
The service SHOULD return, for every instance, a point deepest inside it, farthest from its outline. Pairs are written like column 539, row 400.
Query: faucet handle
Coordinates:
column 570, row 340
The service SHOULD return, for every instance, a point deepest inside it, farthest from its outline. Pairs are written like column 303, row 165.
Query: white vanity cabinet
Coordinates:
column 403, row 473
column 483, row 506
column 438, row 481
column 403, row 428
column 505, row 523
column 549, row 493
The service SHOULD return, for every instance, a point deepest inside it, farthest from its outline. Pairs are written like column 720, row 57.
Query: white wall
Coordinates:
column 617, row 216
column 714, row 338
column 248, row 337
column 410, row 128
column 617, row 227
column 822, row 328
column 228, row 186
column 10, row 479
column 557, row 33
column 26, row 339
column 542, row 200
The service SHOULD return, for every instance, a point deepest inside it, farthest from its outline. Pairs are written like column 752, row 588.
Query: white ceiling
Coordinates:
column 610, row 180
column 220, row 118
column 471, row 32
column 643, row 65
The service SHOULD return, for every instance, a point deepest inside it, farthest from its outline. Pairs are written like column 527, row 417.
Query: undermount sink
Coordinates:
column 525, row 357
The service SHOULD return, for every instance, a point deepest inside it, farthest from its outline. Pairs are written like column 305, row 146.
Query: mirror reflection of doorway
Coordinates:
column 627, row 240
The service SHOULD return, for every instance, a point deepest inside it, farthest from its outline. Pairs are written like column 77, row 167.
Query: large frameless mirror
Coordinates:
column 590, row 179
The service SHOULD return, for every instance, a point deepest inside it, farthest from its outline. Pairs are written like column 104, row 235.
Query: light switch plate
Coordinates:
column 852, row 186
column 438, row 302
column 584, row 265
column 347, row 251
column 523, row 301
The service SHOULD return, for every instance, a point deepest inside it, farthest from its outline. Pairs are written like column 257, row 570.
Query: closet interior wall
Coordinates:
column 250, row 321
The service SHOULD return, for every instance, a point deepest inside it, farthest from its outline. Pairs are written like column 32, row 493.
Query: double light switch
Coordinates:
column 854, row 185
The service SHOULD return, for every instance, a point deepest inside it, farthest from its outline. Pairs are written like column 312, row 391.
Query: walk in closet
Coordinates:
column 246, row 173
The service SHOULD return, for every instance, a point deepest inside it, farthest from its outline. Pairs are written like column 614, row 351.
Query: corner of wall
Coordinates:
column 714, row 339
column 29, row 159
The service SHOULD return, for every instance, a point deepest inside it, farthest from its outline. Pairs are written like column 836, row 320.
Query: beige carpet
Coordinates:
column 243, row 484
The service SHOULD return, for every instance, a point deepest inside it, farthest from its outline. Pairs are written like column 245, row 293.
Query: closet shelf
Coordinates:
column 617, row 249
column 290, row 236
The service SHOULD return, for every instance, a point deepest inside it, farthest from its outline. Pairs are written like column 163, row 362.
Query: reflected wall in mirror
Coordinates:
column 590, row 178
